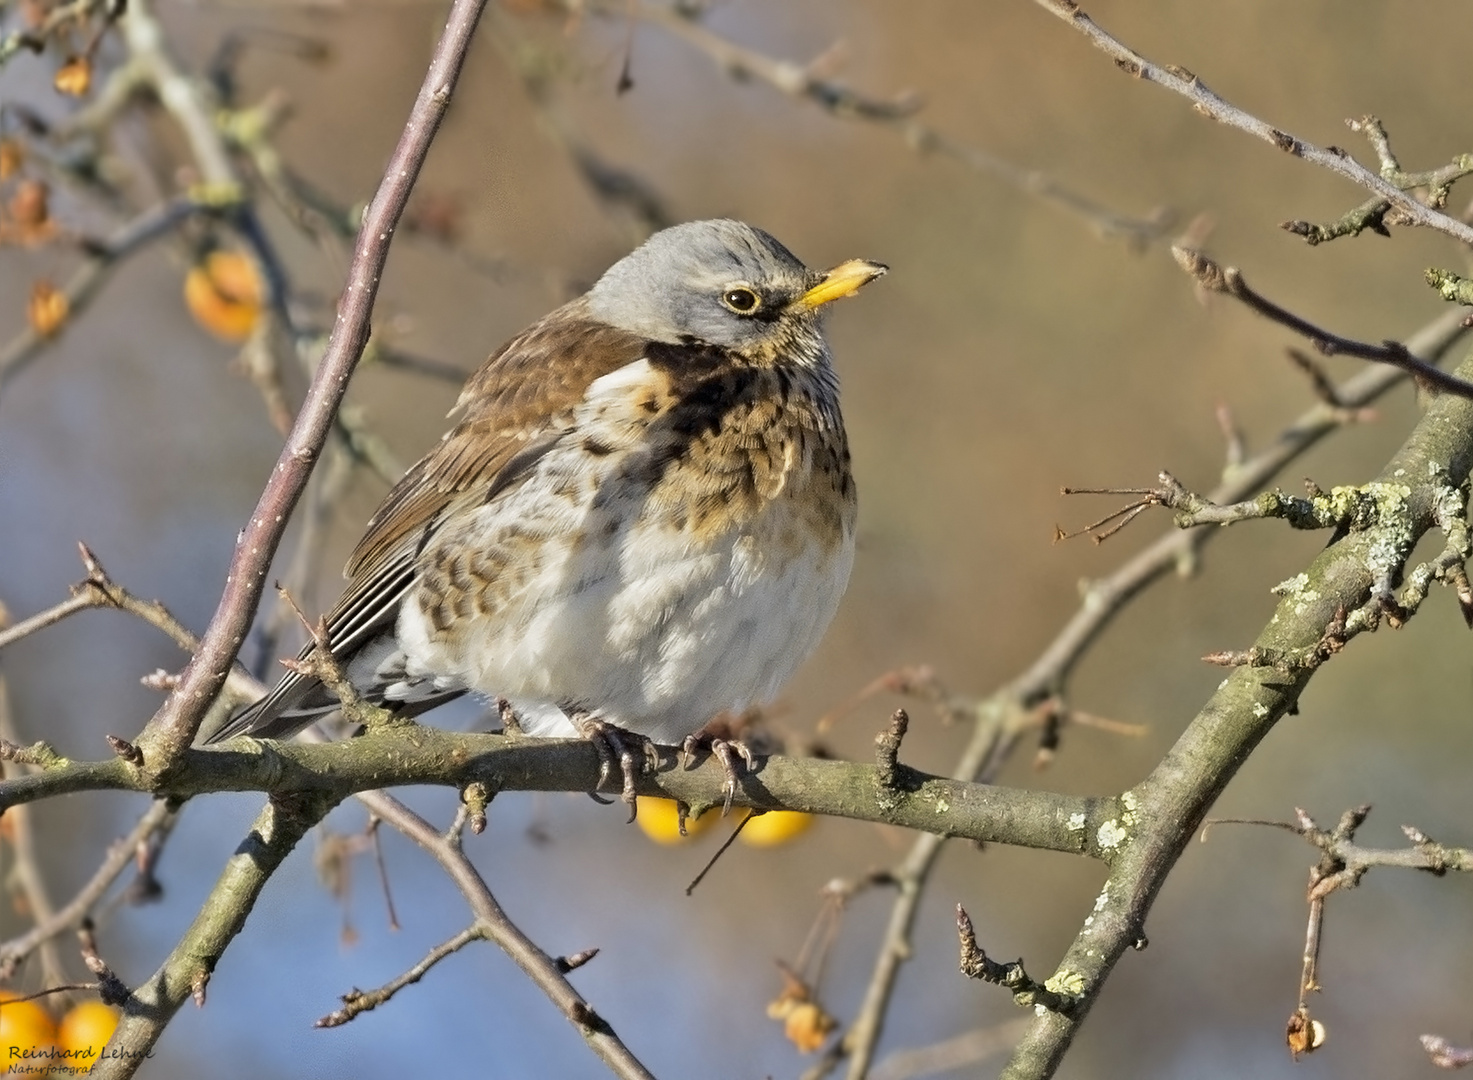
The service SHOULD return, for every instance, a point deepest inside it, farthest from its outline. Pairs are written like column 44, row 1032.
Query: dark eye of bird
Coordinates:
column 742, row 301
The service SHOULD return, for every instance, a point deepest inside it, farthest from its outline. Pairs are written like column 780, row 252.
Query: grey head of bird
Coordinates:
column 725, row 283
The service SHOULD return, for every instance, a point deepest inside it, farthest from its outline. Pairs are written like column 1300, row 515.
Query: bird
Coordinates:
column 642, row 516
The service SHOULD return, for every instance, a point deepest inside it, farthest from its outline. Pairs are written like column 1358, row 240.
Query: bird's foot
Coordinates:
column 728, row 752
column 634, row 754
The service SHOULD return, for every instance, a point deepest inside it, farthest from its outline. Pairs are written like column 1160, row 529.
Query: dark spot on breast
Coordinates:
column 784, row 383
column 689, row 360
column 593, row 446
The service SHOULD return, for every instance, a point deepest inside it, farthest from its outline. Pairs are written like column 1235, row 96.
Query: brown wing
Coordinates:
column 512, row 411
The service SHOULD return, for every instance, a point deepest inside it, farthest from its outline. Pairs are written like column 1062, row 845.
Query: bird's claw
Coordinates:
column 612, row 744
column 728, row 752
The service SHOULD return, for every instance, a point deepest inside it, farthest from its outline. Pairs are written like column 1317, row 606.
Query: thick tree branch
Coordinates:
column 1001, row 718
column 1165, row 809
column 405, row 753
column 185, row 973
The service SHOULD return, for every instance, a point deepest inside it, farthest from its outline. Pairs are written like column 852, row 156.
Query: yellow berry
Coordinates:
column 224, row 294
column 774, row 827
column 84, row 1031
column 24, row 1026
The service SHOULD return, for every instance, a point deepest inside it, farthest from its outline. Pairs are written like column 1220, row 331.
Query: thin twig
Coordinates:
column 103, row 258
column 1027, row 991
column 356, row 1002
column 119, row 857
column 173, row 728
column 1210, row 275
column 1207, row 103
column 543, row 969
column 98, row 590
column 804, row 82
column 80, row 601
column 1376, row 213
column 25, row 868
column 957, row 1052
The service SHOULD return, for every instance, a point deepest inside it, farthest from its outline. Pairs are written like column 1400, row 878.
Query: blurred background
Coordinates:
column 1011, row 350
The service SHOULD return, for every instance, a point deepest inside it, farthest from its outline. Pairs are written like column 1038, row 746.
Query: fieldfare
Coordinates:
column 643, row 516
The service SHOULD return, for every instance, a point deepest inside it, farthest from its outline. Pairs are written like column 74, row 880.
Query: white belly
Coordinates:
column 660, row 641
column 603, row 602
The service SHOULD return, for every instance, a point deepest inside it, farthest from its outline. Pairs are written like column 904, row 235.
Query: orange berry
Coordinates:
column 74, row 77
column 224, row 293
column 807, row 1026
column 24, row 1026
column 84, row 1031
column 48, row 310
column 774, row 827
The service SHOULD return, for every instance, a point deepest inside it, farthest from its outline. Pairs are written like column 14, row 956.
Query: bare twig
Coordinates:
column 969, row 1048
column 120, row 856
column 887, row 750
column 1210, row 275
column 1347, row 862
column 1376, row 213
column 1207, row 103
column 172, row 729
column 78, row 601
column 356, row 1002
column 110, row 988
column 1027, row 992
column 1342, row 865
column 898, row 113
column 493, row 924
column 103, row 257
column 1344, row 507
column 98, row 590
column 1303, row 1033
column 25, row 869
column 1320, row 382
column 719, row 852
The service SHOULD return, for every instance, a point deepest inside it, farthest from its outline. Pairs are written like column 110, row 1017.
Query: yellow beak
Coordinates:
column 846, row 279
